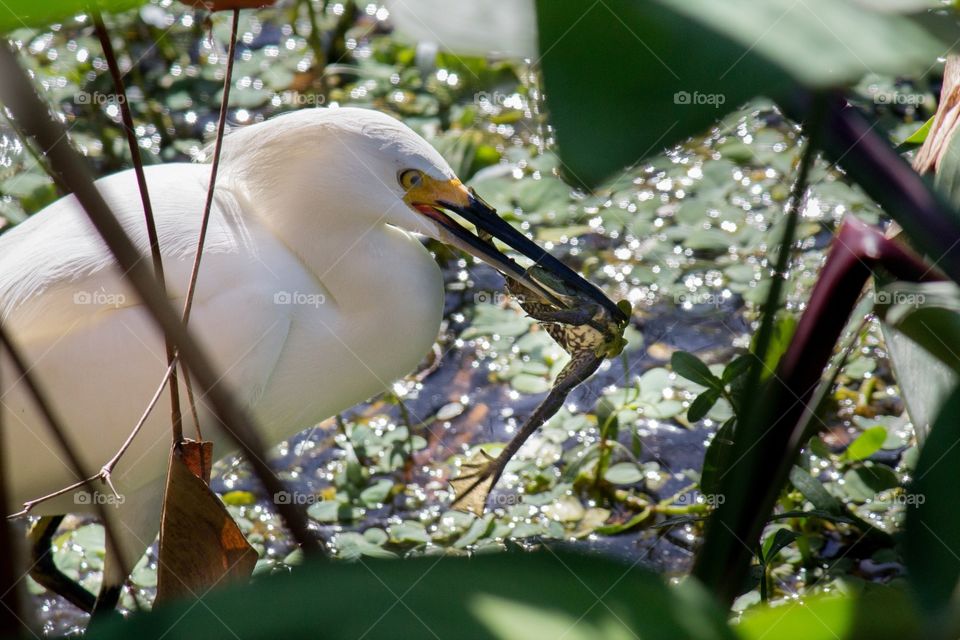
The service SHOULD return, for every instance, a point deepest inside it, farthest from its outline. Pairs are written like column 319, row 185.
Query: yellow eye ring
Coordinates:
column 410, row 178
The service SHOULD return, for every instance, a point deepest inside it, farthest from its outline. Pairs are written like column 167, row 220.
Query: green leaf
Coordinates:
column 692, row 368
column 866, row 481
column 933, row 522
column 716, row 458
column 784, row 326
column 443, row 597
column 702, row 404
column 684, row 63
column 614, row 529
column 623, row 473
column 866, row 444
column 876, row 612
column 16, row 14
column 736, row 368
column 775, row 542
column 920, row 135
column 921, row 322
column 814, row 491
column 376, row 493
column 947, row 178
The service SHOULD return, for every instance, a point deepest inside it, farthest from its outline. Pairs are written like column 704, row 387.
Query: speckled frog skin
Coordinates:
column 587, row 332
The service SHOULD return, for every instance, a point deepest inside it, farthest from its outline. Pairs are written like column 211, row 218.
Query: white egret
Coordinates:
column 313, row 296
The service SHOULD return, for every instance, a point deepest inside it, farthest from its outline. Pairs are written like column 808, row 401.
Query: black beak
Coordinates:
column 488, row 224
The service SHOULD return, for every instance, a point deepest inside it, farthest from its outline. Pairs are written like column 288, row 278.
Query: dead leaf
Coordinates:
column 944, row 122
column 200, row 544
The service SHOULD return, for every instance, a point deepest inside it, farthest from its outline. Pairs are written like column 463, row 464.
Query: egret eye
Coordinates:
column 410, row 178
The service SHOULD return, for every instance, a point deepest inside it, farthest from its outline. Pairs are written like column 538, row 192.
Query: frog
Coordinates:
column 587, row 331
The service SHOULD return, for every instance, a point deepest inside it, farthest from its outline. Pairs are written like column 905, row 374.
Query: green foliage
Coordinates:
column 502, row 597
column 17, row 14
column 933, row 522
column 729, row 53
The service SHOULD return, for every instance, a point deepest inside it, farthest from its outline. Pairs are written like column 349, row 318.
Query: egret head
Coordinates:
column 378, row 169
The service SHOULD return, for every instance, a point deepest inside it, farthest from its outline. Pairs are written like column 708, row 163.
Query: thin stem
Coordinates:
column 126, row 116
column 107, row 469
column 215, row 166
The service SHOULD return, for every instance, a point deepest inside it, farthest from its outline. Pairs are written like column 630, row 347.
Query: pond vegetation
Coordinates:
column 688, row 237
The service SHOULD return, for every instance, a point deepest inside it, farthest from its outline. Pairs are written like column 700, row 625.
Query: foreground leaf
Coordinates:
column 682, row 64
column 933, row 522
column 441, row 597
column 16, row 14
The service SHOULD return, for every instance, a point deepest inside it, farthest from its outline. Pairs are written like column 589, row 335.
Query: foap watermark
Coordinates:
column 696, row 98
column 898, row 98
column 299, row 298
column 98, row 497
column 99, row 297
column 695, row 497
column 909, row 499
column 496, row 297
column 688, row 299
column 294, row 497
column 296, row 99
column 893, row 296
column 97, row 98
column 505, row 499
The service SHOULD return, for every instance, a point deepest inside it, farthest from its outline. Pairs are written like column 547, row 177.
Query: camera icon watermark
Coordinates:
column 494, row 297
column 294, row 497
column 87, row 498
column 490, row 297
column 97, row 98
column 714, row 100
column 299, row 298
column 100, row 298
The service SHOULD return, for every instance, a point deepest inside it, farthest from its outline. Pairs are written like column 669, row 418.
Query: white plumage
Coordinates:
column 312, row 297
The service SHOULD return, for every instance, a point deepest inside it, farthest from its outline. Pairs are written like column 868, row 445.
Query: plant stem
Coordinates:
column 126, row 117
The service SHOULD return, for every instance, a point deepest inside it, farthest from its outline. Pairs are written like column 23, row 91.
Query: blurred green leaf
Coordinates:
column 446, row 598
column 16, row 14
column 623, row 473
column 814, row 491
column 933, row 521
column 866, row 444
column 920, row 135
column 921, row 325
column 876, row 612
column 716, row 458
column 684, row 63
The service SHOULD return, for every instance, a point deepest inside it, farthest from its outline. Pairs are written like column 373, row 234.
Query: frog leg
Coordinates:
column 577, row 370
